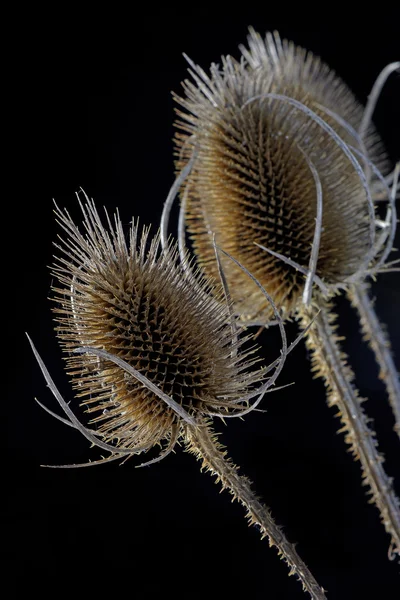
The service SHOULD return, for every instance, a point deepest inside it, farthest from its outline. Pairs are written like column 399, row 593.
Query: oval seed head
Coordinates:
column 129, row 300
column 253, row 177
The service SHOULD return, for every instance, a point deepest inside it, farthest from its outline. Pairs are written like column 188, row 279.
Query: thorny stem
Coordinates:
column 330, row 363
column 202, row 442
column 379, row 343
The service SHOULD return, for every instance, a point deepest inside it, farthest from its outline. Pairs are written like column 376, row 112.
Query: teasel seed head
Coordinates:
column 127, row 300
column 271, row 136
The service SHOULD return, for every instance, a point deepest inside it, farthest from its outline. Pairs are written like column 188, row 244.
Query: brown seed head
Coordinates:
column 252, row 178
column 137, row 304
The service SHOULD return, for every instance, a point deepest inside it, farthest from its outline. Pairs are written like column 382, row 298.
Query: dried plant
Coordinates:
column 154, row 353
column 283, row 167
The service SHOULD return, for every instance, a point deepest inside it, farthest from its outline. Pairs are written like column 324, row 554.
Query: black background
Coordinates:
column 94, row 109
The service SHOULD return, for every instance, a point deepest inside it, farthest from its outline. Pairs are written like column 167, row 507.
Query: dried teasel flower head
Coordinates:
column 157, row 350
column 154, row 353
column 277, row 162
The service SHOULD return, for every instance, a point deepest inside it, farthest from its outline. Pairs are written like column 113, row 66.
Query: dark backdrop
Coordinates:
column 94, row 110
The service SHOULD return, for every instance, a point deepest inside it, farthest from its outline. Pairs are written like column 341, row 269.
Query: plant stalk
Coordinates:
column 330, row 363
column 202, row 442
column 380, row 345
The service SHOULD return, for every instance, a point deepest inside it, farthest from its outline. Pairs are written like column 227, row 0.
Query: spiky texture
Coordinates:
column 276, row 160
column 378, row 340
column 127, row 307
column 135, row 303
column 251, row 180
column 331, row 364
column 301, row 72
column 203, row 443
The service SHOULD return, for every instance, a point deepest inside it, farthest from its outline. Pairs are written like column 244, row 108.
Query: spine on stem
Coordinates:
column 202, row 442
column 378, row 341
column 330, row 363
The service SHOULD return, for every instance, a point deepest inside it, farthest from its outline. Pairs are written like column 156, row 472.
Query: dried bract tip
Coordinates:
column 155, row 346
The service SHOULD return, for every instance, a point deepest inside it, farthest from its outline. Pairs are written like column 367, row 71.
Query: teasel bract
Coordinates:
column 154, row 354
column 284, row 169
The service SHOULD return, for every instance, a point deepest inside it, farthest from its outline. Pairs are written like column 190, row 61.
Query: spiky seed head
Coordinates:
column 251, row 180
column 130, row 300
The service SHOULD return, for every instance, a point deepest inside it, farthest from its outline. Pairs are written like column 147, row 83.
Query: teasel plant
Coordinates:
column 154, row 353
column 282, row 166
